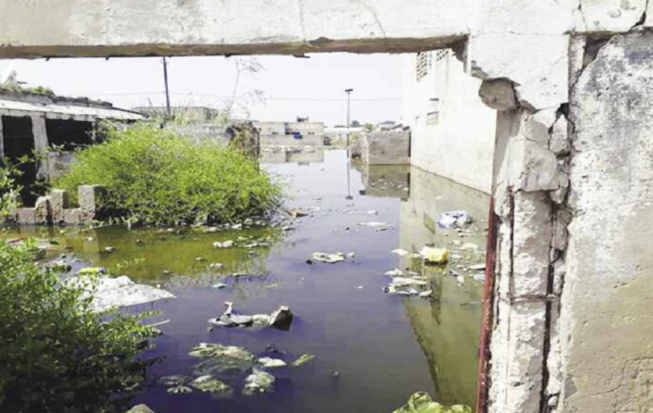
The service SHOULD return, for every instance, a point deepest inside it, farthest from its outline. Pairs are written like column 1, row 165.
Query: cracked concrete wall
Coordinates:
column 608, row 356
column 573, row 172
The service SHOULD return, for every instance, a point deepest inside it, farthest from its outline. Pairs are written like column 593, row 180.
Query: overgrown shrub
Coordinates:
column 57, row 355
column 153, row 176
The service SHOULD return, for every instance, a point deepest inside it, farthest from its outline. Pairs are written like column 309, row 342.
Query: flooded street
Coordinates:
column 373, row 349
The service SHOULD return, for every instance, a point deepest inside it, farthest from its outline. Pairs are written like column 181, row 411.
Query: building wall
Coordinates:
column 452, row 130
column 280, row 133
column 386, row 148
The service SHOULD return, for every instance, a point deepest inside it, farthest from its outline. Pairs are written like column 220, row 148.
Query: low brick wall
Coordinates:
column 54, row 209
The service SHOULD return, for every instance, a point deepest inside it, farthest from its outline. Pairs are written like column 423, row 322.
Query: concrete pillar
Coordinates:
column 2, row 140
column 40, row 143
column 526, row 173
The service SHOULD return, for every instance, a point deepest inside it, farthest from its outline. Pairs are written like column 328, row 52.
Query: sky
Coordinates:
column 285, row 87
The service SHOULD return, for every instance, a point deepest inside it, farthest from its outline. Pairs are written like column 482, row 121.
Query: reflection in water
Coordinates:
column 383, row 347
column 448, row 327
column 391, row 181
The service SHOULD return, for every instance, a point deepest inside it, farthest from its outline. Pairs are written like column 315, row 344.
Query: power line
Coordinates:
column 303, row 99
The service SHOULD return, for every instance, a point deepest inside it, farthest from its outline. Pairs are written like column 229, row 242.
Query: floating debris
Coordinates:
column 455, row 219
column 281, row 319
column 258, row 382
column 479, row 276
column 422, row 402
column 434, row 255
column 109, row 249
column 210, row 384
column 220, row 286
column 468, row 246
column 400, row 252
column 224, row 244
column 121, row 292
column 173, row 380
column 426, row 294
column 180, row 390
column 271, row 363
column 298, row 213
column 328, row 258
column 219, row 360
column 141, row 408
column 394, row 273
column 92, row 271
column 375, row 224
column 303, row 359
column 477, row 267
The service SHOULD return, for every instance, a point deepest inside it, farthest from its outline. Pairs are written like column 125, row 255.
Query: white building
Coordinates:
column 300, row 133
column 452, row 130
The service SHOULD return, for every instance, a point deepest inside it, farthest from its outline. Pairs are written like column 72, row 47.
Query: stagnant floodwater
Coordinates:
column 383, row 347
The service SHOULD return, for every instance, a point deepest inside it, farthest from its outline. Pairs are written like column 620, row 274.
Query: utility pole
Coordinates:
column 165, row 79
column 348, row 91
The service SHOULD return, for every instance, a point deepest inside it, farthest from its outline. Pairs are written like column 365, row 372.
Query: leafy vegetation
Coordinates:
column 153, row 176
column 16, row 88
column 58, row 355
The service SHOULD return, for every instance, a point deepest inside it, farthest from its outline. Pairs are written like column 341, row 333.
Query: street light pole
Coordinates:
column 348, row 91
column 165, row 79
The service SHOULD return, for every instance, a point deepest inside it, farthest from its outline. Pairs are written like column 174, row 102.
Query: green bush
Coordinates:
column 153, row 176
column 57, row 354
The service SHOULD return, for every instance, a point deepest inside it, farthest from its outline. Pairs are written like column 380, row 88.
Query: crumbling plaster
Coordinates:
column 572, row 171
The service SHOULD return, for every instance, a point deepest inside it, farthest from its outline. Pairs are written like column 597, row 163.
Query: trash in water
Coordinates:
column 455, row 219
column 281, row 319
column 394, row 273
column 480, row 276
column 375, row 224
column 298, row 213
column 270, row 363
column 122, row 292
column 303, row 359
column 422, row 402
column 434, row 255
column 173, row 380
column 220, row 360
column 399, row 252
column 258, row 382
column 468, row 246
column 141, row 408
column 405, row 286
column 92, row 271
column 210, row 384
column 426, row 294
column 328, row 258
column 220, row 286
column 224, row 244
column 180, row 390
column 477, row 267
column 109, row 249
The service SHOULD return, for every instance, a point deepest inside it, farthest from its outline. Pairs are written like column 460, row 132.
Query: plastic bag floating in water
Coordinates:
column 455, row 219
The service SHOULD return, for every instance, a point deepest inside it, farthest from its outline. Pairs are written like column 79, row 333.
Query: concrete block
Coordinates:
column 90, row 197
column 25, row 216
column 43, row 210
column 59, row 202
column 73, row 216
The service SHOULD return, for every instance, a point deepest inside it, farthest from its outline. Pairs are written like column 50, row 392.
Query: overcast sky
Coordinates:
column 290, row 86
